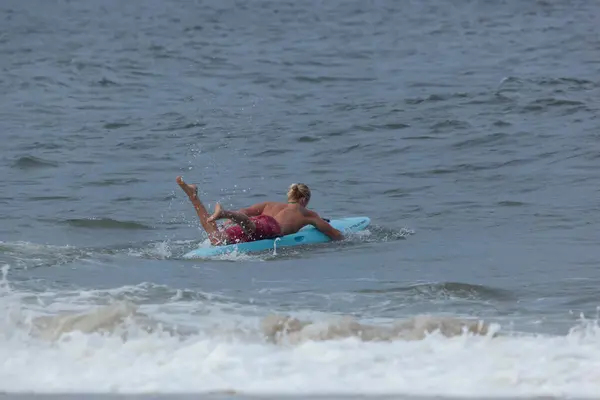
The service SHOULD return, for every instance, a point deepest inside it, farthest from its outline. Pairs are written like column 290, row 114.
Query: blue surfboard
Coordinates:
column 307, row 235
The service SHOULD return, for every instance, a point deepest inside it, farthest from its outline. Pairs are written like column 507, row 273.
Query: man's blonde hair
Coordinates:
column 298, row 191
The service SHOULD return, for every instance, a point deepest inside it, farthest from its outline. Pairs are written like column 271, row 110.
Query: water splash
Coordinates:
column 275, row 246
column 4, row 286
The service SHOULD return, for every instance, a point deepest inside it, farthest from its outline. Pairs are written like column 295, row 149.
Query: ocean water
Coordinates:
column 467, row 131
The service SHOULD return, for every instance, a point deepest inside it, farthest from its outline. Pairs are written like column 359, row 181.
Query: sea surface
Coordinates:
column 467, row 131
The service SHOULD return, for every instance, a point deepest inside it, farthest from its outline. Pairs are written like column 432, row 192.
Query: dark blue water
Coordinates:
column 467, row 132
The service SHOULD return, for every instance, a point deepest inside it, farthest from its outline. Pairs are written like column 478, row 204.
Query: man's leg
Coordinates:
column 242, row 220
column 215, row 236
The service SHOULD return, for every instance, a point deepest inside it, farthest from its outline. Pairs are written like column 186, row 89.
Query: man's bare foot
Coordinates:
column 190, row 190
column 217, row 214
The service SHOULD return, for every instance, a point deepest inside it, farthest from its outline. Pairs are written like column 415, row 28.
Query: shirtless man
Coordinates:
column 266, row 220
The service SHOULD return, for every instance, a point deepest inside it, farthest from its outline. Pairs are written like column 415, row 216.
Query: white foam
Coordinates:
column 122, row 348
column 157, row 362
column 158, row 250
column 237, row 256
column 26, row 254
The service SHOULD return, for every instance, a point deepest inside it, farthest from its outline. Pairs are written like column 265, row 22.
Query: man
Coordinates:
column 266, row 220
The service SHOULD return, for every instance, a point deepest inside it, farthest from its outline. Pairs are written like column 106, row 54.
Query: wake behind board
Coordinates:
column 307, row 235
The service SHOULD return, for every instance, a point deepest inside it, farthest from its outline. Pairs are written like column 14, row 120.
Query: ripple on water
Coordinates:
column 32, row 162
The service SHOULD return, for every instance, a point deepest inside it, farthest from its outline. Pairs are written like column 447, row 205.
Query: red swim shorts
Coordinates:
column 266, row 228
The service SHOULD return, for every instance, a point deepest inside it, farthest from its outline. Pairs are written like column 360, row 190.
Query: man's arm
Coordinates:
column 325, row 227
column 310, row 213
